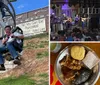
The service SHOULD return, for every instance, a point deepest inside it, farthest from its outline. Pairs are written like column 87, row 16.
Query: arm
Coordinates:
column 20, row 37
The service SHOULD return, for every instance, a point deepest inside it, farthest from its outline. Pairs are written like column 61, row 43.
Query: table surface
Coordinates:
column 53, row 56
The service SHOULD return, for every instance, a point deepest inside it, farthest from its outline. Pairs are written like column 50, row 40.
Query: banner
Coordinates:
column 33, row 27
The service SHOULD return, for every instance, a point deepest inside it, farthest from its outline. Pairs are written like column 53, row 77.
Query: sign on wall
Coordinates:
column 33, row 27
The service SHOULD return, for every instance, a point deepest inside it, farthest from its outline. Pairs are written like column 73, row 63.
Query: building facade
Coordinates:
column 32, row 22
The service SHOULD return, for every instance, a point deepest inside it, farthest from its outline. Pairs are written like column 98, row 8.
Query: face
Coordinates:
column 76, row 15
column 64, row 15
column 8, row 31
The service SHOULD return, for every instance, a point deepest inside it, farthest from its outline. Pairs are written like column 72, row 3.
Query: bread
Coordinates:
column 78, row 52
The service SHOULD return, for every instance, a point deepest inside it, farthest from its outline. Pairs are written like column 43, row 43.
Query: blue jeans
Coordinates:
column 3, row 48
column 12, row 50
column 10, row 47
column 1, row 59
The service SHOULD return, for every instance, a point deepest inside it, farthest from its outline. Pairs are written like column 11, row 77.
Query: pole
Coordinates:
column 5, row 4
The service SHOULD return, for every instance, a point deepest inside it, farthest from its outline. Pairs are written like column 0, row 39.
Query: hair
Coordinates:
column 8, row 26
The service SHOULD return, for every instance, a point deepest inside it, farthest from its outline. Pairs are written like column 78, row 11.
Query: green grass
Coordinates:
column 26, row 80
column 45, row 42
column 46, row 53
column 42, row 54
column 43, row 75
column 41, row 44
column 37, row 36
column 22, row 80
column 44, row 79
column 41, row 82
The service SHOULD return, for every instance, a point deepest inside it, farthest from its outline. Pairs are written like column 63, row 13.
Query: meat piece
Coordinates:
column 67, row 73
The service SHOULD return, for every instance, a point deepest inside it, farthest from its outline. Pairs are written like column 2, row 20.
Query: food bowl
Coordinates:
column 96, row 69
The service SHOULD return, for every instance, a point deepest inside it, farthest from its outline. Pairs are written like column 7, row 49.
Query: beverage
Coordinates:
column 55, row 47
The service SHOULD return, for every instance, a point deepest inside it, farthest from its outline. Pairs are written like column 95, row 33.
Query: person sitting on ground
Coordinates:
column 69, row 37
column 88, row 39
column 79, row 35
column 12, row 41
column 61, row 37
column 75, row 30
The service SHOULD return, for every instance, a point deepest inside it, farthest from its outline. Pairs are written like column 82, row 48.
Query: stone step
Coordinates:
column 9, row 66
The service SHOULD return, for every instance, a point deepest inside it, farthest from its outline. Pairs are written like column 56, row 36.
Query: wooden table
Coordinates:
column 53, row 56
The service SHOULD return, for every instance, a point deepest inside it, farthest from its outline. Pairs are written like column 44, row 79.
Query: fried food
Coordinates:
column 71, row 63
column 68, row 74
column 78, row 52
column 74, row 65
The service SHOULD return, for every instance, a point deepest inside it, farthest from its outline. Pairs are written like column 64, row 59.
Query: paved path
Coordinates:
column 8, row 65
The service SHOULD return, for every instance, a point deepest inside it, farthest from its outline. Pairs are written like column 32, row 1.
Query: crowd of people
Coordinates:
column 68, row 22
column 72, row 29
column 77, row 34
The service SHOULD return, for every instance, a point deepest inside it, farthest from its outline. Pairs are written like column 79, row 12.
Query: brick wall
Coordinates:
column 34, row 15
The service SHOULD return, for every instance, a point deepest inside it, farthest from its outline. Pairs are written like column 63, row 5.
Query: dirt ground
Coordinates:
column 34, row 59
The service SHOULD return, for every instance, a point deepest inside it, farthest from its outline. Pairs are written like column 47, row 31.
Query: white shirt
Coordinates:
column 12, row 39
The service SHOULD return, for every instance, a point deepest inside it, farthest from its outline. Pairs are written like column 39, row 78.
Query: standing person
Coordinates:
column 64, row 21
column 83, row 23
column 12, row 41
column 69, row 22
column 52, row 22
column 76, row 19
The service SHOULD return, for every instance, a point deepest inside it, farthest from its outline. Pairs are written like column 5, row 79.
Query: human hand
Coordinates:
column 6, row 39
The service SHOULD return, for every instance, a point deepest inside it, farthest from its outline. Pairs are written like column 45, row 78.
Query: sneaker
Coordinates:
column 9, row 58
column 16, row 61
column 2, row 69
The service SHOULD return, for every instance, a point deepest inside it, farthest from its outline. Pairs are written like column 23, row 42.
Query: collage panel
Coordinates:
column 35, row 47
column 24, row 42
column 75, row 20
column 74, row 63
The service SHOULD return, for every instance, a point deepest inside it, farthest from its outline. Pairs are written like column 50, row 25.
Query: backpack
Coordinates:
column 19, row 30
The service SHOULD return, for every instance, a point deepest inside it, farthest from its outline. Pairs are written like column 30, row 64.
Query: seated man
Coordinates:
column 12, row 42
